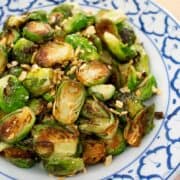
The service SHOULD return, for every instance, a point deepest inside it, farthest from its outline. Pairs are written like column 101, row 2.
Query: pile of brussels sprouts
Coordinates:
column 72, row 88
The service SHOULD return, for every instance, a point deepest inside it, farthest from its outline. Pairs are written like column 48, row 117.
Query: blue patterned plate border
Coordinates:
column 163, row 31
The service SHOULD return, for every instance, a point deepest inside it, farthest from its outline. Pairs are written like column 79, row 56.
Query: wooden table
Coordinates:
column 173, row 6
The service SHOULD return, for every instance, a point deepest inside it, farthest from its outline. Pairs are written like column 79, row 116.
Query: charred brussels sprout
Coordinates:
column 39, row 15
column 77, row 22
column 92, row 109
column 69, row 100
column 63, row 166
column 23, row 50
column 38, row 32
column 15, row 126
column 126, row 33
column 139, row 126
column 121, row 51
column 12, row 94
column 52, row 139
column 53, row 53
column 3, row 59
column 15, row 21
column 20, row 157
column 93, row 73
column 116, row 145
column 104, row 128
column 94, row 151
column 87, row 51
column 38, row 80
column 103, row 92
column 37, row 106
column 145, row 89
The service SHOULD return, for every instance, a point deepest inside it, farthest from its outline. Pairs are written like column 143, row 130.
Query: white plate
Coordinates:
column 158, row 157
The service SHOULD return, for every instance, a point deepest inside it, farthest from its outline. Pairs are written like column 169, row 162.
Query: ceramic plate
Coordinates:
column 158, row 157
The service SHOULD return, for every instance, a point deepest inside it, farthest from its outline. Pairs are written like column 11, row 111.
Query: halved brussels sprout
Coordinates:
column 121, row 51
column 145, row 89
column 53, row 53
column 15, row 21
column 104, row 128
column 93, row 73
column 38, row 80
column 37, row 106
column 93, row 151
column 38, row 32
column 23, row 50
column 77, row 22
column 39, row 15
column 20, row 157
column 133, row 106
column 9, row 37
column 139, row 126
column 15, row 126
column 69, row 100
column 63, row 166
column 3, row 59
column 142, row 64
column 103, row 92
column 87, row 51
column 12, row 94
column 52, row 139
column 116, row 16
column 116, row 145
column 92, row 109
column 126, row 33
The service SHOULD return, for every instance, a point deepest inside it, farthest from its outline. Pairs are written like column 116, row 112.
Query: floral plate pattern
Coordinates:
column 160, row 159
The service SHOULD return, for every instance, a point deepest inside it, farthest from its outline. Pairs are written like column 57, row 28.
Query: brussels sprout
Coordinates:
column 97, row 42
column 52, row 139
column 104, row 128
column 3, row 59
column 121, row 51
column 93, row 73
column 116, row 16
column 23, row 50
column 63, row 166
column 64, row 9
column 77, row 22
column 139, row 126
column 103, row 92
column 92, row 109
column 69, row 100
column 15, row 21
column 132, row 81
column 126, row 33
column 53, row 53
column 20, row 157
column 38, row 80
column 37, row 106
column 142, row 64
column 9, row 37
column 39, row 15
column 145, row 89
column 16, row 125
column 133, row 106
column 87, row 50
column 38, row 32
column 15, row 71
column 12, row 94
column 93, row 151
column 116, row 145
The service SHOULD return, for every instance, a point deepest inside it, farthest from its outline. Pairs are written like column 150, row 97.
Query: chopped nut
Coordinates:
column 108, row 160
column 138, row 93
column 49, row 105
column 125, row 90
column 119, row 104
column 89, row 31
column 84, row 170
column 72, row 70
column 156, row 90
column 26, row 66
column 22, row 75
column 35, row 66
